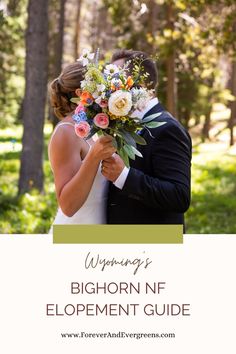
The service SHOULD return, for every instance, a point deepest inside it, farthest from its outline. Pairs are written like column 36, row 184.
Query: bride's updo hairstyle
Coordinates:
column 63, row 88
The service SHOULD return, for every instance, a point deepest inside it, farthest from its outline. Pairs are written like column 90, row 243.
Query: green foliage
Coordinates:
column 129, row 23
column 192, row 31
column 31, row 212
column 212, row 208
column 120, row 12
column 12, row 21
column 198, row 32
column 213, row 203
column 197, row 56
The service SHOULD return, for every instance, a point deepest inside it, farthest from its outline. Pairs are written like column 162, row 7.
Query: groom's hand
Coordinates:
column 112, row 167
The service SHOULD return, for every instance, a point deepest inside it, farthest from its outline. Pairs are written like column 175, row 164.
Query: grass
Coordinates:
column 29, row 213
column 213, row 189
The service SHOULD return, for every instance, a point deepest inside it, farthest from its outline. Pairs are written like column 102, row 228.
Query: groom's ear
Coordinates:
column 78, row 92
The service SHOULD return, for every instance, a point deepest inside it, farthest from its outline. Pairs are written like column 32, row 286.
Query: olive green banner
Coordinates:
column 115, row 234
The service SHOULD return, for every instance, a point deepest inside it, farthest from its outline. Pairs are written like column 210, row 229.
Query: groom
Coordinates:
column 156, row 187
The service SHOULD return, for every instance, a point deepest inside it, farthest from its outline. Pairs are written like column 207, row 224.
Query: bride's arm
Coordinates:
column 73, row 179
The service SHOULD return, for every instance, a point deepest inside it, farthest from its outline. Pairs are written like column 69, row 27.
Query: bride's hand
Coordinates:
column 103, row 148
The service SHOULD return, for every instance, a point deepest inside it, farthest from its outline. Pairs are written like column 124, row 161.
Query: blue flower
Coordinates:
column 79, row 117
column 116, row 76
column 108, row 93
column 89, row 101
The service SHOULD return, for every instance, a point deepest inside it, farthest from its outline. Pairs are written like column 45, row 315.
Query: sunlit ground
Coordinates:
column 213, row 185
column 32, row 212
column 213, row 190
column 213, row 180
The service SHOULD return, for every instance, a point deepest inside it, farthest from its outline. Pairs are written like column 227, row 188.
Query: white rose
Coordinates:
column 120, row 103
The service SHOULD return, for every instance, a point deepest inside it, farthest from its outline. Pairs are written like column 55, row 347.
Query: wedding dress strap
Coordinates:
column 55, row 130
column 58, row 125
column 64, row 123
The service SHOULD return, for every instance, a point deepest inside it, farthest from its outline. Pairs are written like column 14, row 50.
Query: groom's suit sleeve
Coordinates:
column 169, row 186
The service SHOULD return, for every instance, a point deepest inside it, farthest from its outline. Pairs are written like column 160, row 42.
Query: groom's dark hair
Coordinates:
column 148, row 65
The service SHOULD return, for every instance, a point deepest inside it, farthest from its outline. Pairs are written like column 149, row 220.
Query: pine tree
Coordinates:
column 31, row 171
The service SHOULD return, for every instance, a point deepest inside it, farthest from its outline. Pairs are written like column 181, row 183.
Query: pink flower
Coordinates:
column 79, row 108
column 101, row 120
column 82, row 129
column 103, row 103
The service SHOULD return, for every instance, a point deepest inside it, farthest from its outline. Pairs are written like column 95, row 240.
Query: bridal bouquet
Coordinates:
column 107, row 104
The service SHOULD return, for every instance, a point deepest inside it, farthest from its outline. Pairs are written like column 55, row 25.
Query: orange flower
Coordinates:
column 116, row 84
column 115, row 88
column 129, row 81
column 86, row 98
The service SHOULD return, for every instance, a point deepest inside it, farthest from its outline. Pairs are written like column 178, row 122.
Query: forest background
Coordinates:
column 195, row 42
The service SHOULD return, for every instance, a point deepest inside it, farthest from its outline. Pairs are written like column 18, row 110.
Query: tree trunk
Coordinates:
column 95, row 30
column 72, row 29
column 57, row 54
column 207, row 125
column 77, row 29
column 232, row 120
column 152, row 16
column 31, row 171
column 185, row 117
column 61, row 32
column 170, row 67
column 152, row 25
column 102, row 30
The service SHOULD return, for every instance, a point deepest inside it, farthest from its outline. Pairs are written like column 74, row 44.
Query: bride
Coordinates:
column 81, row 189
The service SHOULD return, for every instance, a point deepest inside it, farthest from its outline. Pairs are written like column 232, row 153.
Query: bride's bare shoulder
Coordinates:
column 64, row 139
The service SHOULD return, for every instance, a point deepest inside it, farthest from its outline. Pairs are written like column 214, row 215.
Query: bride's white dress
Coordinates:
column 93, row 210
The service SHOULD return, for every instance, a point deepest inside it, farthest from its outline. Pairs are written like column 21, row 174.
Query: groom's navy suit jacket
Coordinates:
column 157, row 189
